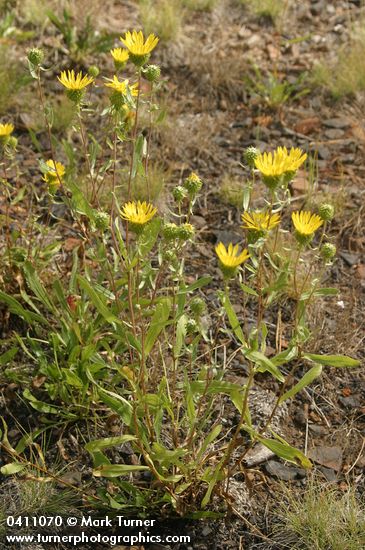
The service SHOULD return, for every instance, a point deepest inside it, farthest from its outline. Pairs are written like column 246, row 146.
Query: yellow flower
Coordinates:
column 120, row 56
column 229, row 258
column 6, row 130
column 74, row 82
column 138, row 214
column 54, row 174
column 139, row 49
column 280, row 163
column 122, row 87
column 306, row 223
column 260, row 221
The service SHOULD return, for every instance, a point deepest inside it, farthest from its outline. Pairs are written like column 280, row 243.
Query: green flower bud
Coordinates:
column 12, row 142
column 35, row 56
column 326, row 212
column 249, row 156
column 102, row 221
column 179, row 193
column 185, row 231
column 328, row 251
column 191, row 326
column 93, row 71
column 197, row 306
column 193, row 184
column 170, row 231
column 152, row 73
column 170, row 257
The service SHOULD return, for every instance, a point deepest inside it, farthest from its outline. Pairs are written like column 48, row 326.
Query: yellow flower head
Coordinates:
column 229, row 258
column 6, row 130
column 139, row 48
column 260, row 221
column 122, row 86
column 74, row 82
column 120, row 56
column 280, row 163
column 138, row 214
column 306, row 223
column 54, row 174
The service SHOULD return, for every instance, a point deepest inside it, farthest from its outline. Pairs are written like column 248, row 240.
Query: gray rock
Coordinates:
column 281, row 471
column 339, row 122
column 330, row 457
column 350, row 258
column 334, row 133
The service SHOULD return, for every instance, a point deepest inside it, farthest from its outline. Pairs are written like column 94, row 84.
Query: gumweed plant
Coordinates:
column 121, row 333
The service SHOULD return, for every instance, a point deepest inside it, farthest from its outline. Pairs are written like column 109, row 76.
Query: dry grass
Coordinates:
column 321, row 519
column 346, row 74
column 162, row 17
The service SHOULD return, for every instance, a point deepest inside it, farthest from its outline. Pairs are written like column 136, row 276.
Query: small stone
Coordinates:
column 330, row 457
column 323, row 152
column 350, row 258
column 334, row 133
column 318, row 430
column 351, row 401
column 328, row 473
column 339, row 122
column 276, row 469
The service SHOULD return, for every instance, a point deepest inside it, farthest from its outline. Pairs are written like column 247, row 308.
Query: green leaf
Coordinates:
column 149, row 236
column 16, row 308
column 285, row 356
column 203, row 281
column 286, row 452
column 232, row 317
column 6, row 357
column 12, row 468
column 307, row 379
column 98, row 300
column 214, row 387
column 180, row 335
column 158, row 322
column 319, row 292
column 116, row 470
column 118, row 404
column 45, row 407
column 107, row 442
column 332, row 360
column 265, row 364
column 248, row 290
column 213, row 434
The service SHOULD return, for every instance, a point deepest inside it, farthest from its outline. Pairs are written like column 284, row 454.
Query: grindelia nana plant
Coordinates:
column 119, row 329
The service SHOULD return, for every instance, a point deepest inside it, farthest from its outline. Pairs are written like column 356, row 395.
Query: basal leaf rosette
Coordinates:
column 279, row 167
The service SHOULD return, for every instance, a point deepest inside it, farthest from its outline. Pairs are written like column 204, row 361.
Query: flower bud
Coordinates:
column 191, row 326
column 152, row 73
column 12, row 142
column 193, row 184
column 249, row 156
column 170, row 231
column 328, row 251
column 179, row 193
column 102, row 221
column 197, row 306
column 326, row 212
column 35, row 56
column 185, row 231
column 93, row 71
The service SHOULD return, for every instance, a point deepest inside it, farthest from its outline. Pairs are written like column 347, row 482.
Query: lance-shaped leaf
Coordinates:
column 332, row 360
column 307, row 379
column 158, row 323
